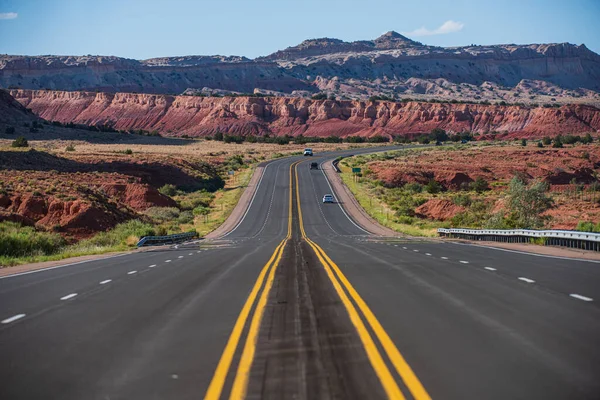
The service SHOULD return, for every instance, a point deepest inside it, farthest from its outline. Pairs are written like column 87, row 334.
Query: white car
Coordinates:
column 328, row 198
column 308, row 152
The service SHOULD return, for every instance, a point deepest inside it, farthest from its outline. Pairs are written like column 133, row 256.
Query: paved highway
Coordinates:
column 299, row 301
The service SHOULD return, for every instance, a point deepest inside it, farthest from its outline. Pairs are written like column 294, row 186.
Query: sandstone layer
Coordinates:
column 198, row 116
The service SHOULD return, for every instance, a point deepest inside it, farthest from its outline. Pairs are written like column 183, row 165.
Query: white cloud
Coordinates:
column 447, row 27
column 8, row 15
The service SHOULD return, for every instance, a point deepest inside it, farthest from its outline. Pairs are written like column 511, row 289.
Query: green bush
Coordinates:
column 547, row 141
column 195, row 199
column 433, row 187
column 20, row 142
column 120, row 236
column 128, row 151
column 162, row 214
column 414, row 187
column 558, row 143
column 186, row 217
column 70, row 148
column 168, row 190
column 480, row 185
column 523, row 142
column 462, row 200
column 539, row 144
column 22, row 241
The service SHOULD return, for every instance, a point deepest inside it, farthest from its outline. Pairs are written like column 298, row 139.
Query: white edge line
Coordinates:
column 69, row 296
column 526, row 280
column 106, row 281
column 13, row 318
column 527, row 253
column 251, row 201
column 577, row 296
column 337, row 197
column 61, row 266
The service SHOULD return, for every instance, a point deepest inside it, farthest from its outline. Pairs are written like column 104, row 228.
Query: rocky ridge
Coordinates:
column 390, row 65
column 199, row 116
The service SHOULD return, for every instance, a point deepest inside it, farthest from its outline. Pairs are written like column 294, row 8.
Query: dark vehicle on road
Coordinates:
column 314, row 165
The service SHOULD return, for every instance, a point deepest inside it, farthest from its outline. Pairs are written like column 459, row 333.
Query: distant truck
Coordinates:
column 308, row 152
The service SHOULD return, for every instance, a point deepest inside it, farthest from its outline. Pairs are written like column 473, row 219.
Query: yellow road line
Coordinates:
column 399, row 363
column 241, row 380
column 216, row 385
column 240, row 384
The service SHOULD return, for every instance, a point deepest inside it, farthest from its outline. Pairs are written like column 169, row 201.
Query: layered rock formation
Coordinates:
column 198, row 116
column 391, row 64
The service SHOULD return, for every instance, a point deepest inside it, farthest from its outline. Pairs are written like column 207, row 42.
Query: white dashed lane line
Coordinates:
column 69, row 296
column 180, row 257
column 416, row 251
column 405, row 248
column 168, row 261
column 106, row 281
column 526, row 280
column 13, row 318
column 427, row 254
column 577, row 296
column 152, row 266
column 444, row 258
column 191, row 254
column 490, row 268
column 132, row 272
column 464, row 262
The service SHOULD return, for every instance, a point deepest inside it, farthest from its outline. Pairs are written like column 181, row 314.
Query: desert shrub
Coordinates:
column 20, row 142
column 162, row 214
column 523, row 142
column 462, row 200
column 282, row 140
column 403, row 219
column 414, row 187
column 186, row 217
column 480, row 185
column 128, row 151
column 121, row 235
column 70, row 148
column 195, row 199
column 233, row 139
column 9, row 130
column 438, row 134
column 218, row 136
column 547, row 141
column 571, row 139
column 23, row 241
column 526, row 203
column 587, row 139
column 557, row 143
column 378, row 139
column 235, row 162
column 586, row 226
column 355, row 139
column 201, row 210
column 433, row 187
column 585, row 155
column 319, row 96
column 539, row 144
column 168, row 190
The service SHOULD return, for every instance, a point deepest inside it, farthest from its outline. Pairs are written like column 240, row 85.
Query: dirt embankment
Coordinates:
column 198, row 116
column 79, row 195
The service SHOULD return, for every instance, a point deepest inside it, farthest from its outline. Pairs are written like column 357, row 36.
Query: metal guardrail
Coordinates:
column 177, row 238
column 574, row 239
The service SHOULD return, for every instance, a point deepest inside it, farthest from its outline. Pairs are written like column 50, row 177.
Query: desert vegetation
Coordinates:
column 503, row 185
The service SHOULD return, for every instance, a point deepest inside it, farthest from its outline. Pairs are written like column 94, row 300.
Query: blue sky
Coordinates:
column 151, row 28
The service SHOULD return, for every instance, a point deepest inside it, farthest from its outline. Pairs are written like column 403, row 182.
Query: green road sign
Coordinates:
column 356, row 170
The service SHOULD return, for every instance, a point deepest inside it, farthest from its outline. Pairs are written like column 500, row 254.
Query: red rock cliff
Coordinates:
column 197, row 116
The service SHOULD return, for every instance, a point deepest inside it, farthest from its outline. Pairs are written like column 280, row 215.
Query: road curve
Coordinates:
column 299, row 301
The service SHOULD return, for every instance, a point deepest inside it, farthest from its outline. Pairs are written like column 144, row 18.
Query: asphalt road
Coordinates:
column 298, row 301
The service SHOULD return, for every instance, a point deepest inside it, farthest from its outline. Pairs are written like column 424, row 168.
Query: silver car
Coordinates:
column 328, row 198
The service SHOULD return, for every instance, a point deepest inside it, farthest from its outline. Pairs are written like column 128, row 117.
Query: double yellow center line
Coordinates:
column 347, row 294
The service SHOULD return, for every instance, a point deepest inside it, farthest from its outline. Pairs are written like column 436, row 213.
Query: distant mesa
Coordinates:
column 391, row 65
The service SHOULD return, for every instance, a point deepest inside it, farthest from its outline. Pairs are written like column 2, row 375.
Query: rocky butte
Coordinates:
column 197, row 116
column 391, row 65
